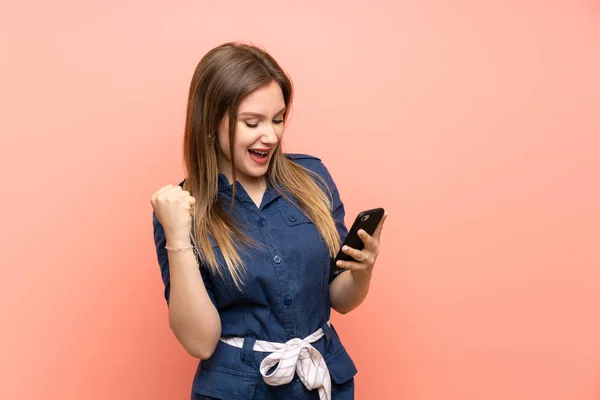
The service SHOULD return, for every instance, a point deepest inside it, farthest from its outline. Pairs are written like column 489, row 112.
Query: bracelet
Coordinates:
column 179, row 248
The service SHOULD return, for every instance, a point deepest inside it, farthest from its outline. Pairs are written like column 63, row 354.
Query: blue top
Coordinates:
column 285, row 291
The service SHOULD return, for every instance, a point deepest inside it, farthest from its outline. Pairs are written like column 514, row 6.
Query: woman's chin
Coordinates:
column 255, row 172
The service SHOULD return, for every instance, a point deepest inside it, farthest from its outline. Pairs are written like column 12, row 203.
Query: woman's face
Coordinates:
column 258, row 131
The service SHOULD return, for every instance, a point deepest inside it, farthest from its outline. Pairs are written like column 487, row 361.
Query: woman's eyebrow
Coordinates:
column 259, row 115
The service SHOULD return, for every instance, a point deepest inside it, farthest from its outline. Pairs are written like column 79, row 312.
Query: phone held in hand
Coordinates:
column 368, row 221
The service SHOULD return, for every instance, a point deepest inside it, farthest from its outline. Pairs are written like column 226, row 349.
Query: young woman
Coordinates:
column 245, row 243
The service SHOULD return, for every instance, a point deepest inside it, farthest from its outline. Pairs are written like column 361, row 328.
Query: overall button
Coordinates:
column 277, row 259
column 287, row 300
column 261, row 222
column 293, row 218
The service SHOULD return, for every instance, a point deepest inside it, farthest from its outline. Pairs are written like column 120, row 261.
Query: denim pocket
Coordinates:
column 225, row 384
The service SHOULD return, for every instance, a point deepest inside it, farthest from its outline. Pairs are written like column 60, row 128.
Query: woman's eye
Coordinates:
column 275, row 121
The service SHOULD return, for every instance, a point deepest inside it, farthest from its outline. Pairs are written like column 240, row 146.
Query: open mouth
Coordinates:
column 260, row 156
column 259, row 153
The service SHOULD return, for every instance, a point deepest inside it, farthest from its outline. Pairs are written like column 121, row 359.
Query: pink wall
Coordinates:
column 476, row 123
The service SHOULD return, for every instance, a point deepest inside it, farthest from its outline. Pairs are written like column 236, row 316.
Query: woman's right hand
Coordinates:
column 173, row 208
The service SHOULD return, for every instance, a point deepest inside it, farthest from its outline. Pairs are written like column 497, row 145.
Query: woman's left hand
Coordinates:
column 365, row 259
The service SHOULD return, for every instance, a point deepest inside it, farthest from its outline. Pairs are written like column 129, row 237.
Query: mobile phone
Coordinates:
column 368, row 221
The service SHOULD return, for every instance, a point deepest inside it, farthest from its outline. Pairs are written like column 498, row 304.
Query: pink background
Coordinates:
column 475, row 123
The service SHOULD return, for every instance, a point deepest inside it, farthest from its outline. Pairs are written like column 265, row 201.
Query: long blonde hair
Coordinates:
column 222, row 79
